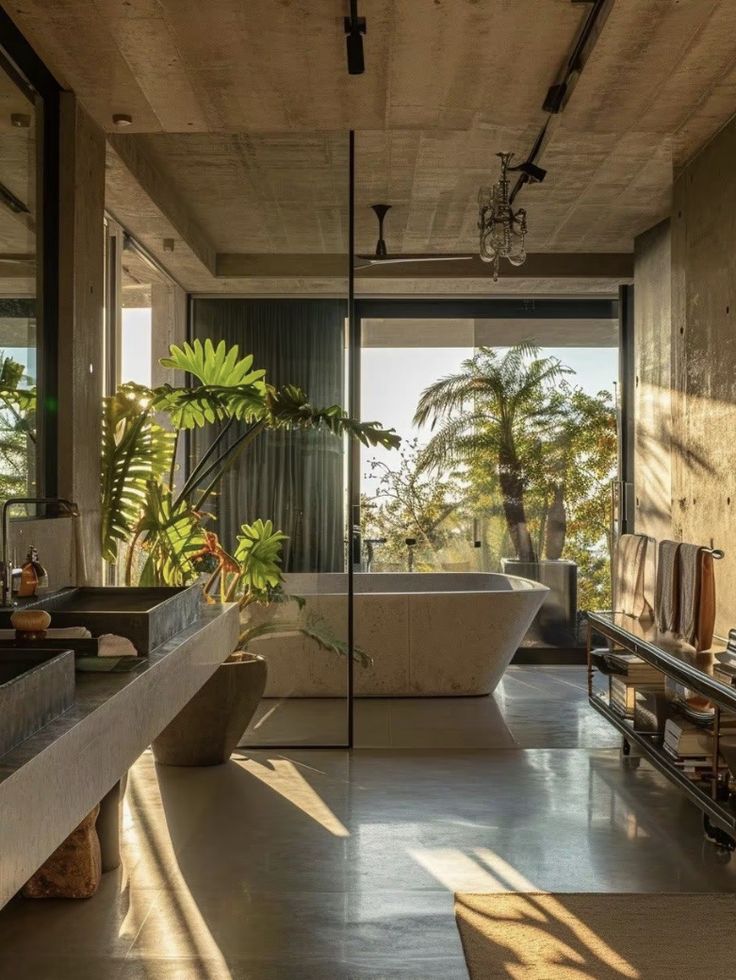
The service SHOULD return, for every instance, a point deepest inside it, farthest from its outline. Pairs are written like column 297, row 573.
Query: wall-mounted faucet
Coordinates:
column 6, row 574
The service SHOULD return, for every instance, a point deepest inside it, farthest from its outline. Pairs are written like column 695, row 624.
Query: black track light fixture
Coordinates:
column 354, row 30
column 533, row 173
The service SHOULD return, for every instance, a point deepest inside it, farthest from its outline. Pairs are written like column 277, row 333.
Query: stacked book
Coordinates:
column 632, row 674
column 691, row 746
column 623, row 693
column 635, row 669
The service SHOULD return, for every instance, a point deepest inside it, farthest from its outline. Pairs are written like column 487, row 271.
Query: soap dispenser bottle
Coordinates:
column 32, row 575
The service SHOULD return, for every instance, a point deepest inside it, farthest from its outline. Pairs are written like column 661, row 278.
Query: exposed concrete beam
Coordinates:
column 618, row 266
column 162, row 193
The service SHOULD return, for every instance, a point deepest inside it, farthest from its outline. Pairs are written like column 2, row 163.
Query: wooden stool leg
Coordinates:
column 74, row 869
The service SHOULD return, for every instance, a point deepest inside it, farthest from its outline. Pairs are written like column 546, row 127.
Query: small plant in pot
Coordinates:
column 155, row 524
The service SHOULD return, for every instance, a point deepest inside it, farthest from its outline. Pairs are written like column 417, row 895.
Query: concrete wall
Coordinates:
column 695, row 348
column 168, row 326
column 81, row 300
column 653, row 368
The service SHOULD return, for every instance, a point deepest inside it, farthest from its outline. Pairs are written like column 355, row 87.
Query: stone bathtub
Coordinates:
column 428, row 634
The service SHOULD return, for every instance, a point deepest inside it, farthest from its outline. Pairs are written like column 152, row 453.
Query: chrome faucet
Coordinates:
column 6, row 574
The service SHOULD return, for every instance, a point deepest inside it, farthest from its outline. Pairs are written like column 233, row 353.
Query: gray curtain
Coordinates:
column 295, row 479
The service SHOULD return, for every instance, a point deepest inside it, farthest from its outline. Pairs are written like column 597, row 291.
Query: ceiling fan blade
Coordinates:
column 407, row 259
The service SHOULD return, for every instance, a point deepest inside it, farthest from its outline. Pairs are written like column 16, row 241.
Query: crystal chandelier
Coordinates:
column 502, row 230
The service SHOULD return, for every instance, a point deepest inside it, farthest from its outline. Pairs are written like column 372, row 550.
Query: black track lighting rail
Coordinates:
column 558, row 94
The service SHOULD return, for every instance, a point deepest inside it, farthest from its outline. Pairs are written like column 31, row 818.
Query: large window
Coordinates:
column 509, row 451
column 19, row 228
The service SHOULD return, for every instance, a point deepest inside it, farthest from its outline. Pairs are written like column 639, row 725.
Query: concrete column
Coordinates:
column 81, row 300
column 168, row 326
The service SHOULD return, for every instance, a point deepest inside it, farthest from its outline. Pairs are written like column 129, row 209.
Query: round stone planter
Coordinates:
column 209, row 727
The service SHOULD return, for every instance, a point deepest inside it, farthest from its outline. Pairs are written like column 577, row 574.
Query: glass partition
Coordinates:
column 291, row 475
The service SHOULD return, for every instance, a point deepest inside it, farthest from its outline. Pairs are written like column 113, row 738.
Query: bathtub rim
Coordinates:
column 527, row 585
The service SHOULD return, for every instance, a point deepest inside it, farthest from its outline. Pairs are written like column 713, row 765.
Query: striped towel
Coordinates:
column 668, row 590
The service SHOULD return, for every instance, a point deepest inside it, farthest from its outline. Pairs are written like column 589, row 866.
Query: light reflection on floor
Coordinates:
column 323, row 864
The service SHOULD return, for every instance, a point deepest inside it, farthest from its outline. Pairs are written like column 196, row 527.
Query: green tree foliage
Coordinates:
column 17, row 429
column 517, row 446
column 411, row 503
column 494, row 413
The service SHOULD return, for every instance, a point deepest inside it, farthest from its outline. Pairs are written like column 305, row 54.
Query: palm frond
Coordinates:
column 135, row 451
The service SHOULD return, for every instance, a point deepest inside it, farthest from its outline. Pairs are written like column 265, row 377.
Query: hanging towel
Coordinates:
column 632, row 583
column 667, row 592
column 707, row 604
column 690, row 565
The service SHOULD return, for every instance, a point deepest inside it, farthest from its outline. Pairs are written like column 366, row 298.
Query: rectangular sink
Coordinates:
column 146, row 616
column 36, row 686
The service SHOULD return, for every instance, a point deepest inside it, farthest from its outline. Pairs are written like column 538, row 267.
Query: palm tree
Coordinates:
column 497, row 411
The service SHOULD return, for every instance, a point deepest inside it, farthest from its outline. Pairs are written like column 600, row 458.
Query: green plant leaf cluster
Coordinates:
column 142, row 505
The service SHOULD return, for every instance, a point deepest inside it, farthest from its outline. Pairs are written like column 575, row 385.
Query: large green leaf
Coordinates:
column 174, row 537
column 214, row 366
column 190, row 408
column 135, row 450
column 229, row 387
column 289, row 407
column 258, row 552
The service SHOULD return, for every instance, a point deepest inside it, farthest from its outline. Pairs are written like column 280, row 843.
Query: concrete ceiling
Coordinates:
column 238, row 147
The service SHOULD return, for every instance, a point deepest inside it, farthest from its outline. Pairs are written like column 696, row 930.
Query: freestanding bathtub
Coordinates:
column 428, row 634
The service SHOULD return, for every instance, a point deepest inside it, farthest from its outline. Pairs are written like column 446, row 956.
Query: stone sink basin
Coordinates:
column 148, row 617
column 35, row 687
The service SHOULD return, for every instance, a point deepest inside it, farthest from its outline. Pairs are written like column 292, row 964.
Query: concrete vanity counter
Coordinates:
column 50, row 782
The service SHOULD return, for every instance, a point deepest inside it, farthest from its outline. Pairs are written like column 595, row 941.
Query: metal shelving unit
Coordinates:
column 690, row 669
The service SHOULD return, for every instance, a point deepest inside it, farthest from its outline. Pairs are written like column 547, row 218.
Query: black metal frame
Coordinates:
column 627, row 385
column 39, row 85
column 480, row 308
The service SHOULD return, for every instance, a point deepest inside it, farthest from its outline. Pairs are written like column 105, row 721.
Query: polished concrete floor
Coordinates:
column 329, row 865
column 533, row 707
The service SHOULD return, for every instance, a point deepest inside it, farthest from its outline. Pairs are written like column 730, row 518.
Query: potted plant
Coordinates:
column 162, row 520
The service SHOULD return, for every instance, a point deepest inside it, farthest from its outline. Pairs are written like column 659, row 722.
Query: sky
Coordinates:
column 135, row 345
column 392, row 379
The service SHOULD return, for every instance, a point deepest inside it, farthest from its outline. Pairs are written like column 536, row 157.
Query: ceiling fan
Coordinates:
column 381, row 256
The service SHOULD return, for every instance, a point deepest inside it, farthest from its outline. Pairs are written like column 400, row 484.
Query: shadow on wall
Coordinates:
column 658, row 448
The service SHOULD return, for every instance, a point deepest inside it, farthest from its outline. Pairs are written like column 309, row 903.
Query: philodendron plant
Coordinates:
column 162, row 519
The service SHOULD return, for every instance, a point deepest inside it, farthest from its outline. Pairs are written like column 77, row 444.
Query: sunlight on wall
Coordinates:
column 283, row 777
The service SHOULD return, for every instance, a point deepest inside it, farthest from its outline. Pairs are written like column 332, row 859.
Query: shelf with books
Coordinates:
column 691, row 741
column 719, row 814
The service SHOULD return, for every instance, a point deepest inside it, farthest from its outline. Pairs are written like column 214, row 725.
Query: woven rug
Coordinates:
column 597, row 937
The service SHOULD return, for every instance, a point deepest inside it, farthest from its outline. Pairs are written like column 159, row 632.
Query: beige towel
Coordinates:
column 689, row 558
column 632, row 579
column 111, row 645
column 667, row 592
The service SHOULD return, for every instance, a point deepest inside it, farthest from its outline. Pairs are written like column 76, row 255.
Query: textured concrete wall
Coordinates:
column 698, row 354
column 653, row 367
column 81, row 298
